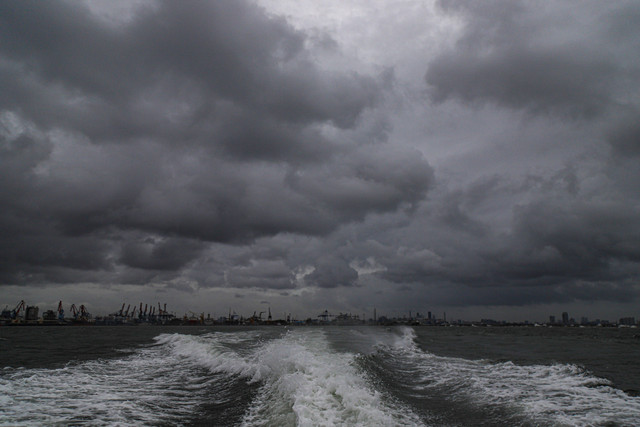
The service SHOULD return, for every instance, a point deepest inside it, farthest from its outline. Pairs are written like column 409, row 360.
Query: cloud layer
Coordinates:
column 226, row 145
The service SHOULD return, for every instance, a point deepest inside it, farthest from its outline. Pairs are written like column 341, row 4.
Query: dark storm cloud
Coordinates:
column 159, row 254
column 125, row 147
column 265, row 274
column 331, row 272
column 458, row 296
column 225, row 202
column 201, row 60
column 578, row 240
column 214, row 145
column 520, row 232
column 558, row 244
column 47, row 257
column 624, row 135
column 552, row 58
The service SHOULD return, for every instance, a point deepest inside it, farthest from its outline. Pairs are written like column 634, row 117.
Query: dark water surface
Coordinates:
column 278, row 376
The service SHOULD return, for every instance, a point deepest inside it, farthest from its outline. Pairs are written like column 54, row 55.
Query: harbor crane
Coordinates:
column 74, row 311
column 84, row 314
column 161, row 311
column 16, row 311
column 60, row 311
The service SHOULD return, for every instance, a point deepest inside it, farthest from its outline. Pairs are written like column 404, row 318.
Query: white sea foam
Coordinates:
column 139, row 389
column 211, row 351
column 306, row 383
column 156, row 385
column 558, row 394
column 303, row 377
column 297, row 378
column 302, row 381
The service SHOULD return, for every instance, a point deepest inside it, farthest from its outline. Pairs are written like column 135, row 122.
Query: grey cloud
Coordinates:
column 261, row 274
column 537, row 81
column 578, row 241
column 624, row 135
column 527, row 295
column 213, row 145
column 44, row 257
column 159, row 254
column 561, row 246
column 540, row 59
column 379, row 178
column 331, row 272
column 199, row 56
column 186, row 125
column 235, row 202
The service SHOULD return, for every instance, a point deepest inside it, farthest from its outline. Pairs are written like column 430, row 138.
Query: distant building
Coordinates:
column 552, row 319
column 565, row 318
column 31, row 313
column 629, row 321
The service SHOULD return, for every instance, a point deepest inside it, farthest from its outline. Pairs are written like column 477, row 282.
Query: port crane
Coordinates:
column 162, row 312
column 259, row 316
column 74, row 311
column 60, row 311
column 13, row 314
column 84, row 314
column 16, row 311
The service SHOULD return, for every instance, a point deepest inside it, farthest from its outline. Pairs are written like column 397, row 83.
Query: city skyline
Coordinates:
column 128, row 310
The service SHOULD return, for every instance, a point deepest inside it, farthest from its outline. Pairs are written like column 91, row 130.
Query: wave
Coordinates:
column 555, row 394
column 139, row 389
column 302, row 381
column 307, row 377
column 319, row 385
column 295, row 378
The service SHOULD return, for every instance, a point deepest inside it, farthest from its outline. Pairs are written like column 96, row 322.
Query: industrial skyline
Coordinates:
column 144, row 313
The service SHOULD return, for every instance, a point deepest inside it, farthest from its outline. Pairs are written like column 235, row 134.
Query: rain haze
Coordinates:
column 475, row 158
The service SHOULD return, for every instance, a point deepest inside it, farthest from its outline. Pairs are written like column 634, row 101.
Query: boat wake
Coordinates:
column 302, row 381
column 307, row 377
column 556, row 394
column 293, row 379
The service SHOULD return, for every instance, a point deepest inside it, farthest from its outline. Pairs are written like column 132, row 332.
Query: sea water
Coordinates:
column 319, row 376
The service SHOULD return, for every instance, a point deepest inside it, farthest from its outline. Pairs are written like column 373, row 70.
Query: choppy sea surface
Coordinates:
column 319, row 376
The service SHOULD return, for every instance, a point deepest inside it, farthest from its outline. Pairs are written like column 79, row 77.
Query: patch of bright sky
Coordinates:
column 401, row 34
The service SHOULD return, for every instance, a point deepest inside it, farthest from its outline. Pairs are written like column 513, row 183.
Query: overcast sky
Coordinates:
column 479, row 158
